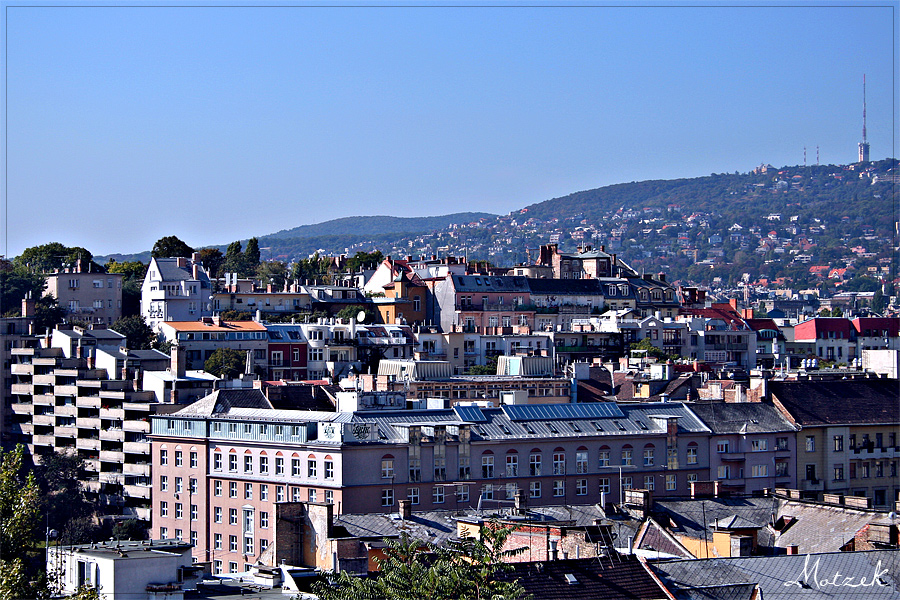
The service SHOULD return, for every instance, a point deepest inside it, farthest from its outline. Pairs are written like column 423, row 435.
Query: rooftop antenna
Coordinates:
column 817, row 156
column 804, row 156
column 864, row 144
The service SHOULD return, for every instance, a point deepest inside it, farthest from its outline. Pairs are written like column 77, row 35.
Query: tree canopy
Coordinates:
column 170, row 247
column 19, row 519
column 50, row 257
column 418, row 569
column 212, row 260
column 140, row 335
column 225, row 362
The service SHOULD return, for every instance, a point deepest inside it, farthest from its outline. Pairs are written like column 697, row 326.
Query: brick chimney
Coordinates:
column 178, row 363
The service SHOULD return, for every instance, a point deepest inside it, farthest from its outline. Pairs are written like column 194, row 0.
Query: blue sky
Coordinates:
column 124, row 124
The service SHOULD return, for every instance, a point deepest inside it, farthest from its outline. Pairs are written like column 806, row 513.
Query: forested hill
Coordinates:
column 382, row 224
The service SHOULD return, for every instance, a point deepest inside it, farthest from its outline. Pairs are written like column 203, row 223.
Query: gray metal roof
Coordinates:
column 791, row 576
column 483, row 283
column 170, row 271
column 744, row 417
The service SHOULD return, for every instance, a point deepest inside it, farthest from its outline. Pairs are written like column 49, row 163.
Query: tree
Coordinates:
column 489, row 369
column 272, row 272
column 19, row 519
column 235, row 315
column 130, row 529
column 140, row 335
column 47, row 314
column 878, row 302
column 234, row 259
column 212, row 260
column 171, row 247
column 15, row 285
column 251, row 254
column 314, row 268
column 63, row 499
column 352, row 312
column 226, row 362
column 362, row 260
column 50, row 257
column 470, row 570
column 133, row 270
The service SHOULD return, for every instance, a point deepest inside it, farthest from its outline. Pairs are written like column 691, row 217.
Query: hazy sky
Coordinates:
column 216, row 123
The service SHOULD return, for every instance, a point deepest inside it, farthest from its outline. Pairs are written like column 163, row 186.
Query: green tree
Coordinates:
column 171, row 247
column 50, row 257
column 272, row 272
column 251, row 254
column 878, row 302
column 226, row 362
column 212, row 260
column 140, row 335
column 488, row 369
column 363, row 260
column 15, row 285
column 234, row 259
column 133, row 270
column 235, row 315
column 469, row 570
column 47, row 314
column 130, row 529
column 63, row 499
column 19, row 519
column 314, row 268
column 352, row 312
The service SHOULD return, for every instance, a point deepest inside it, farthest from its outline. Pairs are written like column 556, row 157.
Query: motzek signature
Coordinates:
column 810, row 576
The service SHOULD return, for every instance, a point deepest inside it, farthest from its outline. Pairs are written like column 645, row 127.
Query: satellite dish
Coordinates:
column 361, row 316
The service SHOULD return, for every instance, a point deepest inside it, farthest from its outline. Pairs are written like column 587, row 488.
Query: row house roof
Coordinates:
column 817, row 403
column 743, row 418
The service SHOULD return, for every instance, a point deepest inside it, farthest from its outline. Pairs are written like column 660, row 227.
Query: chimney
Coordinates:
column 405, row 509
column 195, row 257
column 662, row 277
column 178, row 362
column 195, row 270
column 793, row 549
column 28, row 306
column 519, row 502
column 733, row 303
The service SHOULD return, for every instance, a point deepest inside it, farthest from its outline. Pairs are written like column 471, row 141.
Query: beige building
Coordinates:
column 95, row 298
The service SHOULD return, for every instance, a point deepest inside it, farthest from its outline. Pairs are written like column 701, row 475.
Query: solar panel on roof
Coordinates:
column 532, row 412
column 471, row 414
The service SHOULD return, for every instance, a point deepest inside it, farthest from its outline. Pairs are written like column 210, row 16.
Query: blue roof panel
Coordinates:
column 543, row 412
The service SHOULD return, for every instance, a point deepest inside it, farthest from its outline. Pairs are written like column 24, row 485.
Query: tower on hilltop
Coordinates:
column 864, row 145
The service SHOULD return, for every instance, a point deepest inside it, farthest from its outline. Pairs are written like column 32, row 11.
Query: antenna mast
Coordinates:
column 864, row 144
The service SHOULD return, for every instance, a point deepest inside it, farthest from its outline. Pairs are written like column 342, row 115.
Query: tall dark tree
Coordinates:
column 212, row 260
column 234, row 258
column 47, row 314
column 140, row 335
column 251, row 254
column 171, row 247
column 272, row 272
column 14, row 286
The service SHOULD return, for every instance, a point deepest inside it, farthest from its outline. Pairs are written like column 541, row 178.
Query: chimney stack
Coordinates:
column 405, row 509
column 178, row 362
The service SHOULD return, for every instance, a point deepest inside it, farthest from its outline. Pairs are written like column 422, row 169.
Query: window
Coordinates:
column 649, row 483
column 581, row 461
column 413, row 495
column 512, row 465
column 217, row 514
column 722, row 446
column 534, row 465
column 192, row 485
column 193, row 459
column 232, row 463
column 781, row 443
column 724, row 472
column 559, row 463
column 838, row 472
column 312, row 495
column 248, row 491
column 329, row 496
column 179, row 459
column 279, row 465
column 232, row 566
column 217, row 461
column 672, row 458
column 462, row 493
column 193, row 512
column 329, row 469
column 437, row 494
column 627, row 458
column 179, row 510
column 387, row 497
column 465, row 471
column 163, row 457
column 163, row 483
column 264, row 465
column 627, row 483
column 217, row 544
column 163, row 533
column 487, row 492
column 648, row 457
column 311, row 468
column 387, row 468
column 248, row 463
column 163, row 509
column 415, row 469
column 217, row 487
column 758, row 445
column 263, row 544
column 781, row 469
column 279, row 493
column 671, row 482
column 759, row 471
column 179, row 534
column 440, row 468
column 232, row 489
column 232, row 546
column 295, row 494
column 232, row 516
column 692, row 477
column 179, row 486
column 810, row 443
column 559, row 487
column 838, row 443
column 603, row 457
column 487, row 466
column 581, row 487
column 295, row 467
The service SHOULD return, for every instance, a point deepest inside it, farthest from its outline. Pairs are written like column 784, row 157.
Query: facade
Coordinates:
column 241, row 296
column 94, row 298
column 848, row 437
column 175, row 289
column 843, row 340
column 751, row 446
column 152, row 569
column 198, row 339
column 238, row 461
column 15, row 332
column 485, row 304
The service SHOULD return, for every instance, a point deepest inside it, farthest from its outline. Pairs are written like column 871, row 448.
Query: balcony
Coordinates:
column 112, row 435
column 43, row 400
column 44, row 380
column 89, row 401
column 88, row 422
column 67, row 410
column 138, row 491
column 137, row 469
column 87, row 443
column 48, row 419
column 732, row 456
column 136, row 426
column 113, row 478
column 91, row 485
column 22, row 369
column 65, row 390
column 112, row 456
column 67, row 431
column 42, row 440
column 112, row 413
column 136, row 447
column 22, row 408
